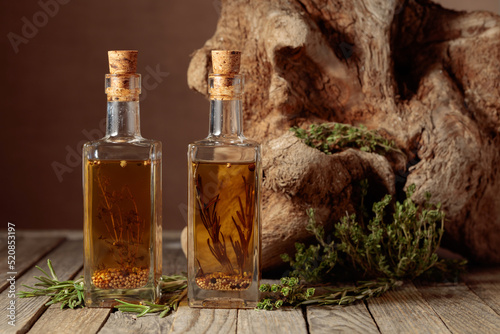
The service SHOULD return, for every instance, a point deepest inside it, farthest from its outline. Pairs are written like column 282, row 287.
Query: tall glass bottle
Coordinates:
column 122, row 197
column 224, row 177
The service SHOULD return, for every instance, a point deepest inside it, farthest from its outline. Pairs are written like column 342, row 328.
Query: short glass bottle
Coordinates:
column 224, row 179
column 122, row 198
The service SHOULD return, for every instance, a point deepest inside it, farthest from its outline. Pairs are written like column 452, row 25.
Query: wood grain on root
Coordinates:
column 425, row 76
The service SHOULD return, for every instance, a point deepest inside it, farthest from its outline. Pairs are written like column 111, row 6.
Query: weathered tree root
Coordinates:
column 426, row 77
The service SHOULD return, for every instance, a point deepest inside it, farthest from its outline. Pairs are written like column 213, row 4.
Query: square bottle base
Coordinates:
column 107, row 297
column 217, row 302
column 208, row 298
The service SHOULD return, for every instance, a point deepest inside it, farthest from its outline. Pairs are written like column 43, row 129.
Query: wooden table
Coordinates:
column 472, row 306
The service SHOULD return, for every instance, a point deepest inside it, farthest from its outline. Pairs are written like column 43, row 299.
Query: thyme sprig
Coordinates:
column 313, row 264
column 333, row 137
column 288, row 292
column 400, row 246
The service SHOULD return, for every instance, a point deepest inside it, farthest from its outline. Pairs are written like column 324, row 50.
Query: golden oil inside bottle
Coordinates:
column 119, row 222
column 224, row 217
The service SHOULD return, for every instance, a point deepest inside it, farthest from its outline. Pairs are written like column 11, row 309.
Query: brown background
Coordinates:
column 52, row 94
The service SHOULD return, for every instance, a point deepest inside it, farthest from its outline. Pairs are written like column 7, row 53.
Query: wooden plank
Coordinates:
column 340, row 319
column 405, row 311
column 67, row 321
column 128, row 323
column 461, row 310
column 485, row 282
column 199, row 320
column 284, row 320
column 83, row 320
column 28, row 252
column 67, row 260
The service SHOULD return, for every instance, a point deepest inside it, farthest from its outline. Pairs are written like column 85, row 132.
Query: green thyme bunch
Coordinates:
column 288, row 292
column 398, row 243
column 313, row 264
column 333, row 137
column 400, row 246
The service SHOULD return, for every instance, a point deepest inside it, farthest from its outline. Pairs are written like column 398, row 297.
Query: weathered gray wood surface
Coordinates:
column 28, row 310
column 461, row 309
column 28, row 252
column 486, row 284
column 405, row 311
column 340, row 319
column 67, row 321
column 286, row 320
column 191, row 320
column 469, row 307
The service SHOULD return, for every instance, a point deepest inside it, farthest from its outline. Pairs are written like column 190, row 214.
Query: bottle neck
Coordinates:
column 225, row 118
column 123, row 120
column 225, row 105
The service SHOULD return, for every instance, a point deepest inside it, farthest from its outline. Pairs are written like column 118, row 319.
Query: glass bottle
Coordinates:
column 224, row 178
column 122, row 197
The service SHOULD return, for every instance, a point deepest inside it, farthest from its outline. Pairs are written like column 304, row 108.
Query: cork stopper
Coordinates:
column 226, row 61
column 122, row 61
column 225, row 83
column 123, row 83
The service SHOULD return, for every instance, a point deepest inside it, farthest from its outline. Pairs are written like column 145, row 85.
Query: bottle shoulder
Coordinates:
column 225, row 142
column 124, row 148
column 236, row 150
column 122, row 142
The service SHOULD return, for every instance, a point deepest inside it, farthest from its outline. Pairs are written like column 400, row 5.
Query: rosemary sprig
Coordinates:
column 69, row 293
column 291, row 292
column 148, row 307
column 363, row 290
column 210, row 219
column 175, row 285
